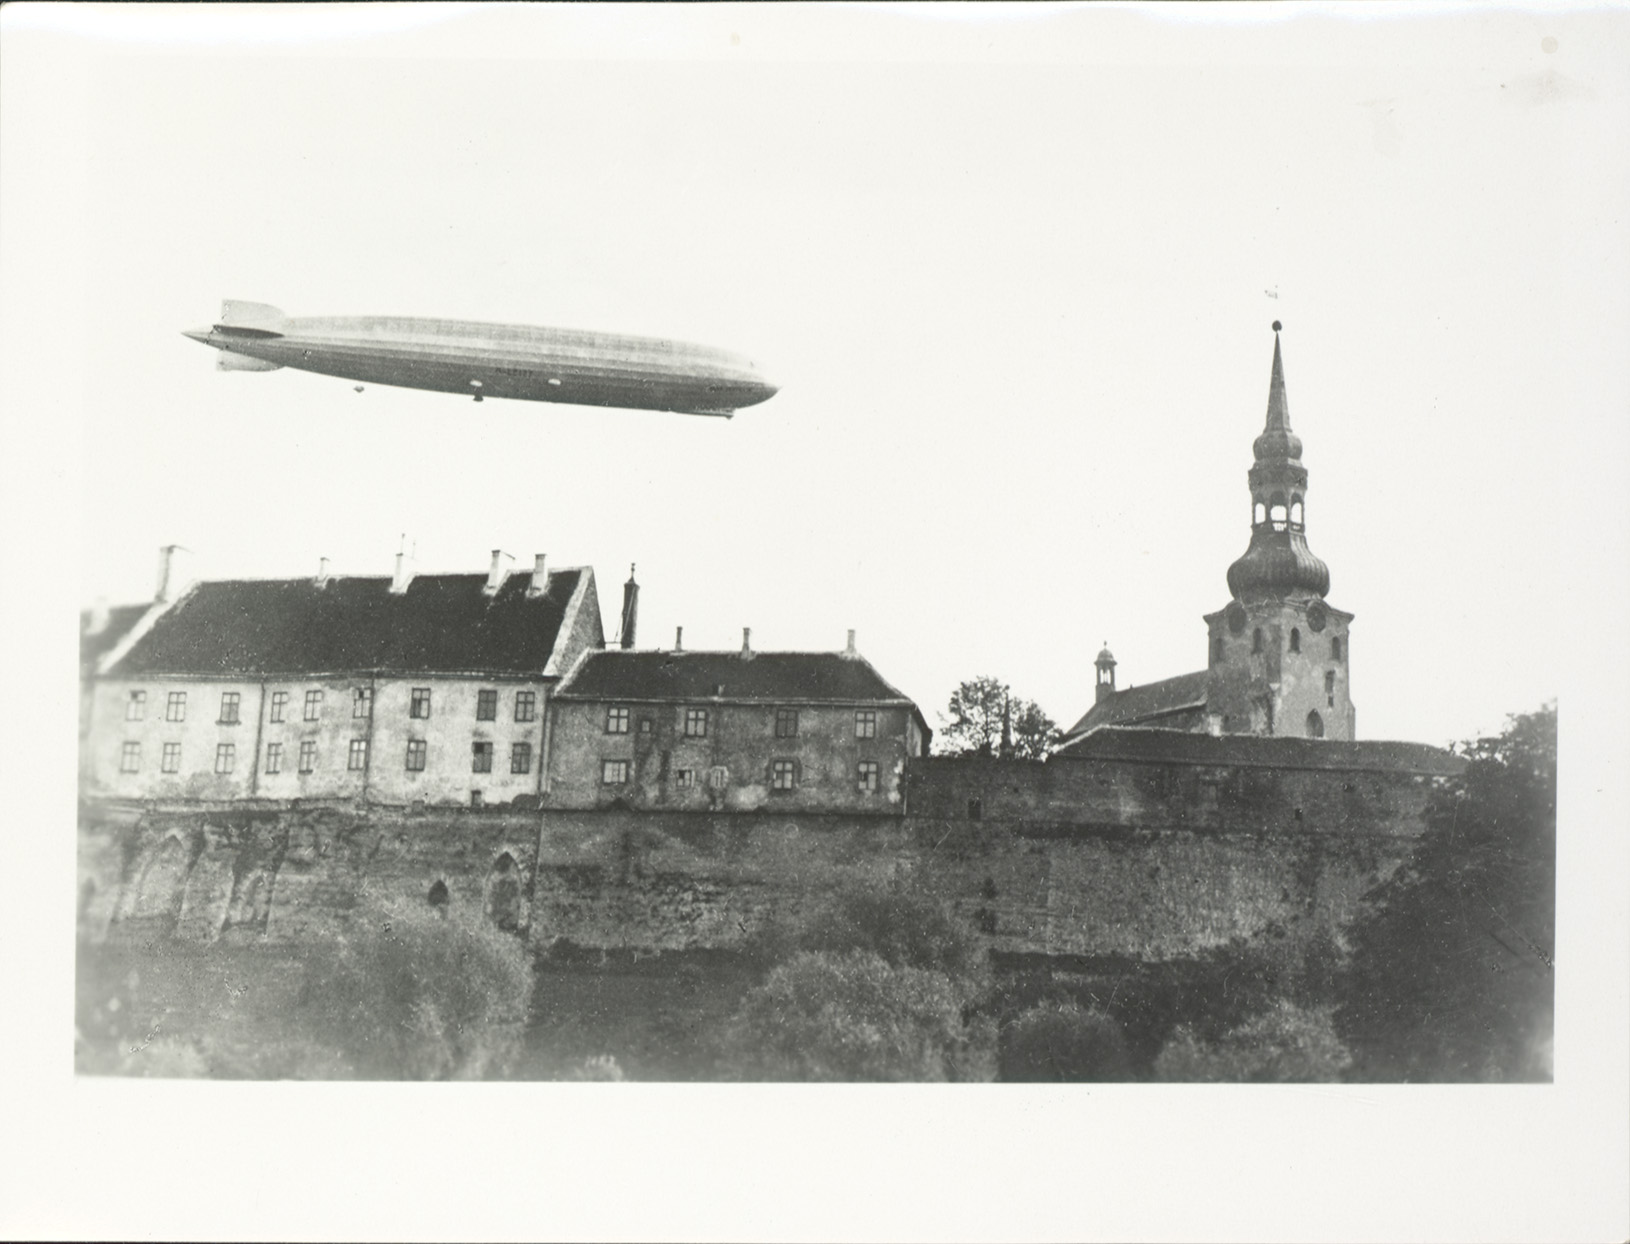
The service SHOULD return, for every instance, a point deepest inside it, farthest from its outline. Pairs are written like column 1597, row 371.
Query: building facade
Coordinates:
column 410, row 689
column 1278, row 657
column 731, row 731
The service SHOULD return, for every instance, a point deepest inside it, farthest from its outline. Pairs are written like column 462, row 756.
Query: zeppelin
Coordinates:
column 490, row 360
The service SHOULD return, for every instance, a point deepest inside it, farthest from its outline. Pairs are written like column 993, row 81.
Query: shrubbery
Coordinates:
column 1060, row 1041
column 1285, row 1044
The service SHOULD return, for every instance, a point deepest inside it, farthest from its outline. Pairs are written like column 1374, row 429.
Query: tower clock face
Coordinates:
column 1317, row 615
column 1236, row 618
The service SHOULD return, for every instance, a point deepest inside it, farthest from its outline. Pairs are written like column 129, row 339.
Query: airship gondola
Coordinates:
column 490, row 360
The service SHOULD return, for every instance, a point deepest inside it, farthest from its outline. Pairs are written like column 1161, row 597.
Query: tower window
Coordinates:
column 1217, row 650
column 1260, row 513
column 1295, row 640
column 1335, row 647
column 1296, row 513
column 1256, row 640
column 1315, row 726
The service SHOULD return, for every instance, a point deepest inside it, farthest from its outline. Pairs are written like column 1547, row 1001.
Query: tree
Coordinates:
column 1451, row 973
column 985, row 718
column 1061, row 1042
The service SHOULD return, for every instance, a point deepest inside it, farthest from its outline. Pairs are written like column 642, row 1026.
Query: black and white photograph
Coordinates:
column 896, row 621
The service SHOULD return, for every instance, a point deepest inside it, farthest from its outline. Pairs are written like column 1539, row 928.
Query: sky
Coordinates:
column 1017, row 295
column 1014, row 270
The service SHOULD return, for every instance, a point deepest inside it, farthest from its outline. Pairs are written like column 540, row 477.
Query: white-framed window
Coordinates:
column 866, row 723
column 362, row 702
column 526, row 706
column 226, row 757
column 786, row 723
column 136, row 706
column 696, row 723
column 314, row 706
column 229, row 708
column 170, row 761
column 486, row 705
column 616, row 720
column 415, row 755
column 274, row 758
column 308, row 756
column 130, row 758
column 175, row 706
column 868, row 774
column 480, row 756
column 520, row 758
column 783, row 774
column 613, row 772
column 685, row 779
column 419, row 706
column 280, row 705
column 357, row 758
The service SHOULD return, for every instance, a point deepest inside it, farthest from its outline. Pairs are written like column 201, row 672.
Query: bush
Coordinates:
column 903, row 930
column 1059, row 1042
column 855, row 1016
column 1286, row 1044
column 407, row 992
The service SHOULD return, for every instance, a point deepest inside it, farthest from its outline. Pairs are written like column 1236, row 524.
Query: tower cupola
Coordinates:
column 1106, row 674
column 1278, row 563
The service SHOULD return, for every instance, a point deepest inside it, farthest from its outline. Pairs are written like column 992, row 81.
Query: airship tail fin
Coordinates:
column 252, row 315
column 228, row 361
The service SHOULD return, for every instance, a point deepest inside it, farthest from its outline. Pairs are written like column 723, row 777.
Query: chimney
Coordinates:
column 631, row 608
column 679, row 639
column 746, row 643
column 322, row 572
column 540, row 575
column 169, row 573
column 495, row 575
column 403, row 575
column 849, row 650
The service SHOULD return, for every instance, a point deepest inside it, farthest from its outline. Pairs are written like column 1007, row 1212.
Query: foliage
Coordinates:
column 1285, row 1044
column 602, row 1067
column 1451, row 973
column 409, row 993
column 982, row 710
column 1060, row 1041
column 855, row 1016
column 905, row 930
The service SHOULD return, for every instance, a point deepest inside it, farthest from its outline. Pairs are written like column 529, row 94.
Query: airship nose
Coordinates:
column 198, row 334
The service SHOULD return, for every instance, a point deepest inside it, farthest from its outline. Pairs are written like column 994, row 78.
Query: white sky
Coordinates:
column 1008, row 266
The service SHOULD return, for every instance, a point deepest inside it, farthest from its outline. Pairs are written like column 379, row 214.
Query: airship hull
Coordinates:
column 494, row 360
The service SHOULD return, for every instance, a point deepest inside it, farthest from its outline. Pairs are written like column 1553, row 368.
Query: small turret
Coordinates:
column 1106, row 674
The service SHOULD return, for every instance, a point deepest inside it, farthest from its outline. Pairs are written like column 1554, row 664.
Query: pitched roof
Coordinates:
column 1152, row 699
column 1185, row 747
column 616, row 674
column 443, row 623
column 113, row 628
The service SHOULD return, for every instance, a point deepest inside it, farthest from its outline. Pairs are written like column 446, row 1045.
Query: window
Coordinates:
column 486, row 706
column 786, row 723
column 171, row 760
column 526, row 706
column 481, row 757
column 1330, row 688
column 1315, row 726
column 613, row 772
column 274, row 758
column 616, row 721
column 645, row 725
column 520, row 758
column 362, row 701
column 226, row 757
column 1217, row 650
column 357, row 760
column 696, row 723
column 415, row 756
column 229, row 708
column 1295, row 640
column 1256, row 640
column 308, row 756
column 686, row 779
column 866, row 723
column 280, row 704
column 475, row 799
column 314, row 705
column 438, row 895
column 175, row 706
column 136, row 706
column 1335, row 647
column 783, row 774
column 130, row 758
column 868, row 776
column 420, row 707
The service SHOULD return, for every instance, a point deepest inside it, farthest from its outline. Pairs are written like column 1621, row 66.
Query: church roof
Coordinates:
column 1184, row 747
column 1150, row 701
column 442, row 623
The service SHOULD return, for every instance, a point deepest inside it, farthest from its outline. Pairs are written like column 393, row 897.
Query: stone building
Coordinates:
column 1277, row 654
column 398, row 690
column 731, row 731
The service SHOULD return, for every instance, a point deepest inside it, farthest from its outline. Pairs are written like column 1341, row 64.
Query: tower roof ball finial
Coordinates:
column 1276, row 326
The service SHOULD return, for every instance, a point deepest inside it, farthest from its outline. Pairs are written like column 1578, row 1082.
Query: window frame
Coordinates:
column 786, row 723
column 617, row 719
column 622, row 769
column 869, row 777
column 783, row 775
column 130, row 757
column 280, row 707
column 175, row 706
column 169, row 760
column 226, row 758
column 356, row 756
column 419, row 698
column 481, row 756
column 313, row 709
column 526, row 706
column 136, row 706
column 232, row 700
column 362, row 703
column 685, row 779
column 417, row 750
column 517, row 753
column 696, row 723
column 274, row 758
column 865, row 723
column 486, row 704
column 308, row 756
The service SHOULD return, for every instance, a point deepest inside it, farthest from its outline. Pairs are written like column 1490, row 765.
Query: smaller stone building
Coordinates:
column 731, row 731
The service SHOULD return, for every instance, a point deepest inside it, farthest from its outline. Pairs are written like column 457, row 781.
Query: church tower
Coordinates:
column 1278, row 656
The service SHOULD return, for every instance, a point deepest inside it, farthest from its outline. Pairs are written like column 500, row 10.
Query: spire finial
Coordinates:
column 1276, row 326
